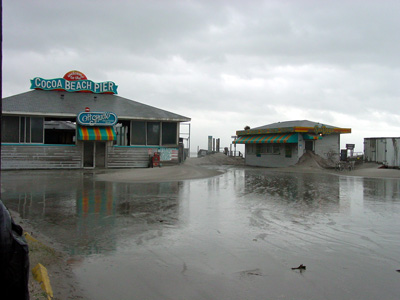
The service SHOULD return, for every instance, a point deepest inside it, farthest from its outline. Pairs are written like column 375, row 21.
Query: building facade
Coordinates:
column 74, row 123
column 282, row 144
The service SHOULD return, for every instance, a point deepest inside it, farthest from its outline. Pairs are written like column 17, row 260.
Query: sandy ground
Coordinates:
column 59, row 265
column 191, row 169
column 196, row 168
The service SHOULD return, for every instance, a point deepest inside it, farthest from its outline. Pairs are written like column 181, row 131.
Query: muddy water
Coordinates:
column 234, row 236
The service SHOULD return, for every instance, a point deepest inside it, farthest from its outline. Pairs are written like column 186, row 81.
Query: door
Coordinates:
column 100, row 155
column 94, row 154
column 310, row 145
column 88, row 154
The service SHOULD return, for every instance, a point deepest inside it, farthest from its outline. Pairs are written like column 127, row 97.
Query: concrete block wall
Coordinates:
column 328, row 147
column 273, row 160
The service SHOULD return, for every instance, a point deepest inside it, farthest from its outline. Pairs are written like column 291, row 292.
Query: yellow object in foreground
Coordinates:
column 29, row 237
column 40, row 274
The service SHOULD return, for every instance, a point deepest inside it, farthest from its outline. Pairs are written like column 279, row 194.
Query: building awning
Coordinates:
column 268, row 139
column 307, row 136
column 96, row 133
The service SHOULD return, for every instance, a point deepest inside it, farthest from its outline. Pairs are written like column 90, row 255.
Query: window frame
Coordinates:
column 146, row 124
column 24, row 130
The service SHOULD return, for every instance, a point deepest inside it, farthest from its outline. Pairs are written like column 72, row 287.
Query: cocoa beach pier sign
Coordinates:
column 74, row 81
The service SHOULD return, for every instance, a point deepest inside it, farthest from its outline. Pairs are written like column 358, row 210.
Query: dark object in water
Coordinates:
column 398, row 271
column 301, row 267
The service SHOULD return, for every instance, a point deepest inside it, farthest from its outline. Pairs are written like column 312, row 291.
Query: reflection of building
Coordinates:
column 384, row 150
column 381, row 190
column 282, row 144
column 304, row 192
column 72, row 122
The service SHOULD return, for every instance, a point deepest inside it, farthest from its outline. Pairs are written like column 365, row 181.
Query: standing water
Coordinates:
column 235, row 236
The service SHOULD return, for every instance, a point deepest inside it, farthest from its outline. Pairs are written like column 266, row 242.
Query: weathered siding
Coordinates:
column 127, row 157
column 40, row 157
column 138, row 157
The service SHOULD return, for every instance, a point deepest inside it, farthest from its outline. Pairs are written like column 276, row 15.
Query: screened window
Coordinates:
column 138, row 133
column 288, row 150
column 258, row 149
column 36, row 130
column 276, row 149
column 250, row 148
column 153, row 133
column 263, row 149
column 169, row 133
column 9, row 129
column 22, row 129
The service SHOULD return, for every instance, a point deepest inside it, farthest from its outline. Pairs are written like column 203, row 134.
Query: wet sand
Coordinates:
column 45, row 251
column 163, row 174
column 196, row 169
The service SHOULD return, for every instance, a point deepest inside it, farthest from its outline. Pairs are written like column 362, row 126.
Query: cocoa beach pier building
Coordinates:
column 282, row 144
column 74, row 123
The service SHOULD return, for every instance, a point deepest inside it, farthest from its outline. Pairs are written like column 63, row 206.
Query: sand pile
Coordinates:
column 215, row 159
column 311, row 160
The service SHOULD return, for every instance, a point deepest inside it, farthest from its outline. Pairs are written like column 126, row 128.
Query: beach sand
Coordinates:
column 59, row 264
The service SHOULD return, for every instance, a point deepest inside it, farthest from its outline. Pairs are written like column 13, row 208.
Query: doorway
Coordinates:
column 94, row 154
column 310, row 145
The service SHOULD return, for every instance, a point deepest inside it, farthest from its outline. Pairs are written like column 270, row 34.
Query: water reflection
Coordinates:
column 88, row 216
column 382, row 189
column 300, row 191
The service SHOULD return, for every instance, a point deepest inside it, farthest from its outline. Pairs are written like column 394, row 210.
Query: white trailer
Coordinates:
column 384, row 150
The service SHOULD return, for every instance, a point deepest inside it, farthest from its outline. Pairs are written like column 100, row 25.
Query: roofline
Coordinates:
column 382, row 137
column 316, row 129
column 17, row 113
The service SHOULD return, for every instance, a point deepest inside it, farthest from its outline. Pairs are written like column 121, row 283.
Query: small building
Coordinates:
column 74, row 123
column 383, row 150
column 282, row 144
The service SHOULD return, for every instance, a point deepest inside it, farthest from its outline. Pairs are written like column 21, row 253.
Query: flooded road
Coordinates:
column 234, row 236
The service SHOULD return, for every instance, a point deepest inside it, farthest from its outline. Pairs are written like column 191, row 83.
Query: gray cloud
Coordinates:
column 226, row 64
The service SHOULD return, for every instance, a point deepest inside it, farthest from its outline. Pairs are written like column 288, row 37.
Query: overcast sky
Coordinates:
column 224, row 64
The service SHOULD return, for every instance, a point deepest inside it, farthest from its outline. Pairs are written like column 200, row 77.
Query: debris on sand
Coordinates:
column 301, row 267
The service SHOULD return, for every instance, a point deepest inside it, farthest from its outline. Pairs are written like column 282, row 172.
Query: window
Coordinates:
column 250, row 148
column 58, row 131
column 288, row 150
column 259, row 149
column 169, row 133
column 22, row 129
column 138, row 133
column 36, row 130
column 276, row 149
column 9, row 129
column 153, row 133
